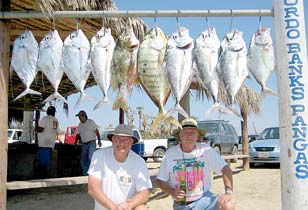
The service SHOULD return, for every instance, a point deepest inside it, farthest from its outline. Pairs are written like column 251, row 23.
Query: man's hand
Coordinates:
column 124, row 206
column 99, row 143
column 178, row 194
column 223, row 200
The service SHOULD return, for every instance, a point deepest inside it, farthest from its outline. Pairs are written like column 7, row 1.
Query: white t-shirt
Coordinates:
column 190, row 169
column 120, row 181
column 87, row 131
column 48, row 137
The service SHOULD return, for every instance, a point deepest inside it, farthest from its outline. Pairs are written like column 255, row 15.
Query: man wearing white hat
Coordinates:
column 185, row 172
column 118, row 177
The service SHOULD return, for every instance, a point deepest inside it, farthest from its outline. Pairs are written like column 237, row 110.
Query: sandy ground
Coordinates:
column 257, row 189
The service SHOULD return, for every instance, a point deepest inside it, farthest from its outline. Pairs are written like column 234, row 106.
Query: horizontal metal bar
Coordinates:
column 137, row 13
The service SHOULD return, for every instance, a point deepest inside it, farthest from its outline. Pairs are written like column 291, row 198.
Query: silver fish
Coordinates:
column 24, row 60
column 124, row 67
column 75, row 62
column 179, row 69
column 151, row 73
column 206, row 57
column 49, row 60
column 102, row 46
column 232, row 65
column 260, row 58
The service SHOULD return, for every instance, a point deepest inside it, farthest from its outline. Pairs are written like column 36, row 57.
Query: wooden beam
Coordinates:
column 4, row 73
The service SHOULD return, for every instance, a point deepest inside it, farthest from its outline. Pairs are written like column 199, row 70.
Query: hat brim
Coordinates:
column 110, row 135
column 176, row 133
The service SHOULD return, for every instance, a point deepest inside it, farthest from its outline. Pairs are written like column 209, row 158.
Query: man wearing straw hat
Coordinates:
column 118, row 177
column 185, row 172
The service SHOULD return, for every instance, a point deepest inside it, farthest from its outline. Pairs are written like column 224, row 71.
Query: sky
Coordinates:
column 269, row 115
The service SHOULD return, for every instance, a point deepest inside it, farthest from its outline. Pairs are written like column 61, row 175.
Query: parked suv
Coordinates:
column 221, row 135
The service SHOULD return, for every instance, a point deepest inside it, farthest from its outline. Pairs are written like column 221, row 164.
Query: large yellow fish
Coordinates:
column 123, row 68
column 151, row 73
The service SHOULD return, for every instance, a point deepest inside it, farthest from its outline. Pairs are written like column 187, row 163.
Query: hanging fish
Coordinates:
column 232, row 64
column 151, row 74
column 260, row 58
column 102, row 46
column 49, row 60
column 206, row 57
column 124, row 67
column 179, row 69
column 75, row 61
column 24, row 61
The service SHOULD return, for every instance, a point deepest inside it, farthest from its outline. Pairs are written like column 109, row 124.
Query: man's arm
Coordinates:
column 175, row 193
column 139, row 199
column 98, row 137
column 78, row 138
column 94, row 189
column 225, row 199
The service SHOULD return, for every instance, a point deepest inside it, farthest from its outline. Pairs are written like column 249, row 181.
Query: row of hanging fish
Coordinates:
column 162, row 65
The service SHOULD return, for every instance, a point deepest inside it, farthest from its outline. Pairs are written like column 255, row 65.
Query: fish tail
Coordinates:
column 27, row 91
column 230, row 110
column 55, row 95
column 176, row 108
column 82, row 97
column 120, row 102
column 266, row 90
column 213, row 107
column 102, row 102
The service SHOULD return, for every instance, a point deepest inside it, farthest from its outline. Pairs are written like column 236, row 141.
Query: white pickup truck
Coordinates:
column 155, row 148
column 146, row 148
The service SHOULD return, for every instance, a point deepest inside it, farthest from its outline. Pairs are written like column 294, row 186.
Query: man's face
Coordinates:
column 82, row 117
column 189, row 135
column 122, row 143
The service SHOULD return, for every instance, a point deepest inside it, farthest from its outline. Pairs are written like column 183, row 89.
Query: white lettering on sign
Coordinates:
column 296, row 84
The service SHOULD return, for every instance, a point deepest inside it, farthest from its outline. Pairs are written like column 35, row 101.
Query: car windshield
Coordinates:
column 211, row 128
column 9, row 134
column 269, row 133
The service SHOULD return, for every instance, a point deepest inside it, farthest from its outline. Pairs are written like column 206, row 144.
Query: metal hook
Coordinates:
column 155, row 24
column 178, row 23
column 231, row 24
column 53, row 20
column 260, row 18
column 103, row 19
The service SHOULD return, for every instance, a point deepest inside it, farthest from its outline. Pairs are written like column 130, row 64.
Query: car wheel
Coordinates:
column 251, row 165
column 158, row 154
column 234, row 152
column 217, row 149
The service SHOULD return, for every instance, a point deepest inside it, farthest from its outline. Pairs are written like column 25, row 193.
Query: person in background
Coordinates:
column 185, row 172
column 87, row 134
column 118, row 177
column 47, row 134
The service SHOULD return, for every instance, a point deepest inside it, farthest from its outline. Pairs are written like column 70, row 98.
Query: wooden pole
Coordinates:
column 244, row 128
column 185, row 103
column 121, row 116
column 291, row 52
column 4, row 72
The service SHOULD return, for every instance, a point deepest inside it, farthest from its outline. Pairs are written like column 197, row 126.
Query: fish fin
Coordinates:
column 266, row 90
column 27, row 91
column 230, row 110
column 105, row 100
column 82, row 97
column 176, row 108
column 55, row 95
column 120, row 102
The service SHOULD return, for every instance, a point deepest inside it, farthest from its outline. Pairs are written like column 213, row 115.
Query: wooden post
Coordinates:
column 185, row 103
column 4, row 72
column 121, row 116
column 291, row 53
column 245, row 139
